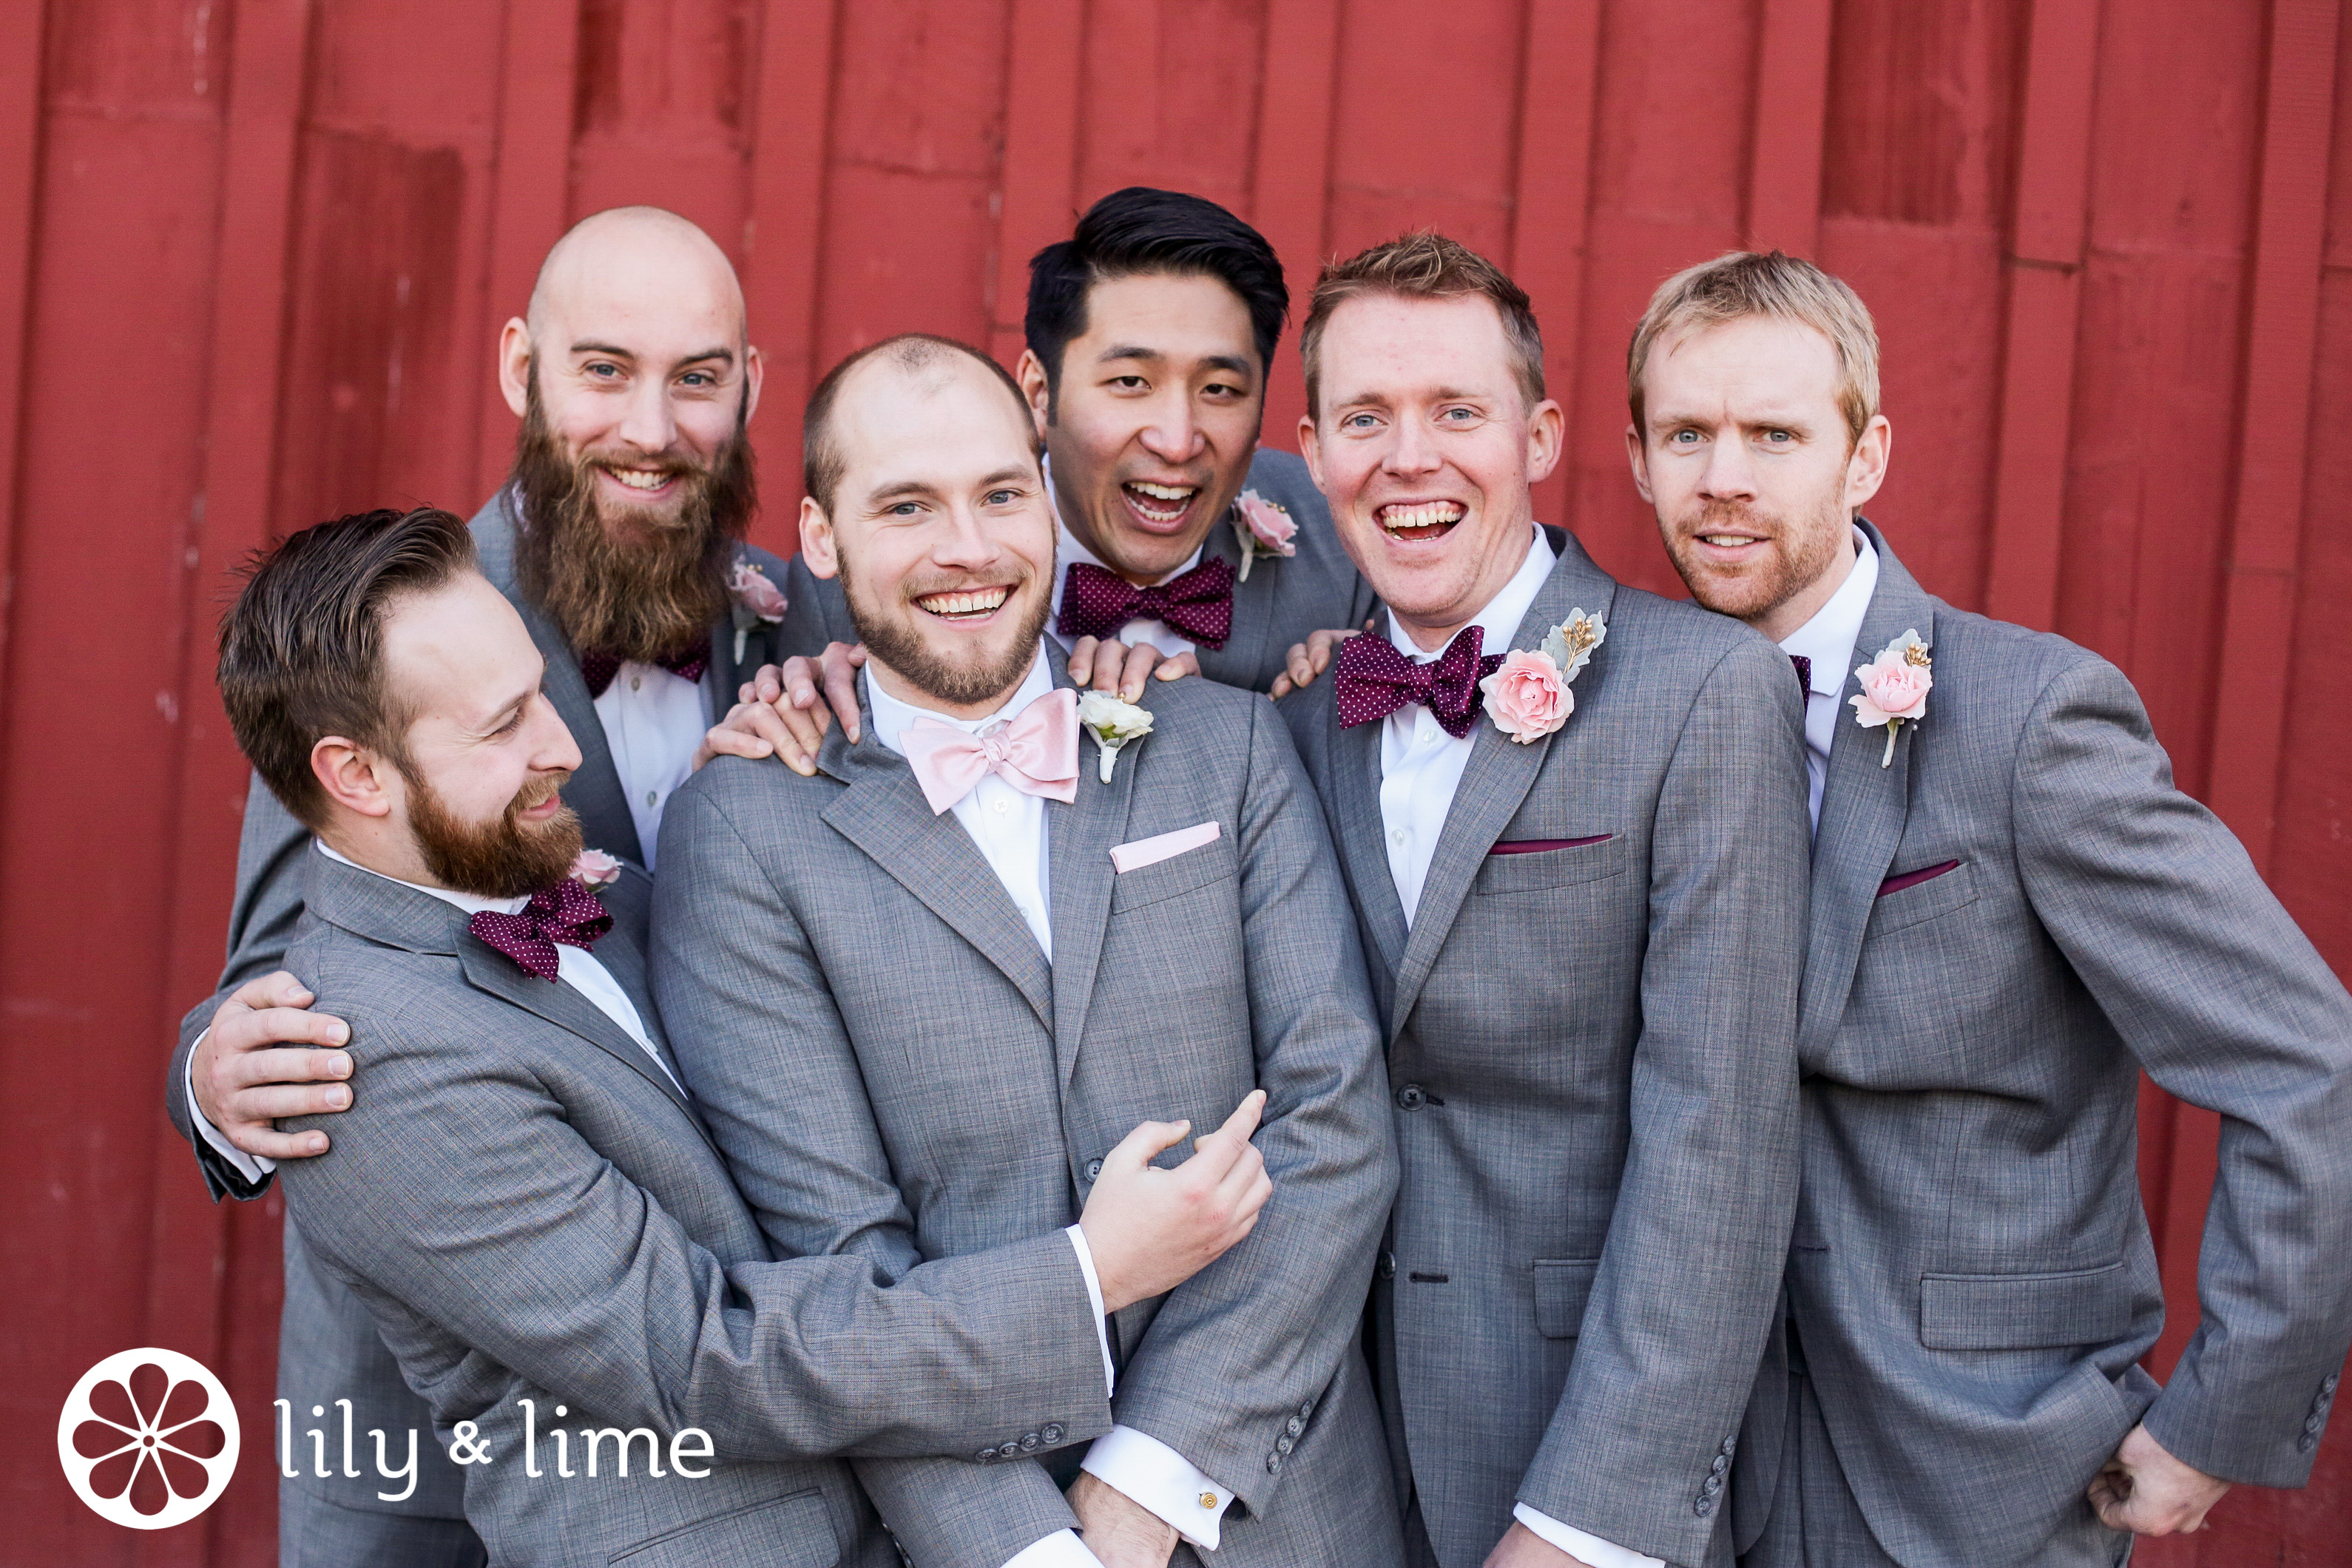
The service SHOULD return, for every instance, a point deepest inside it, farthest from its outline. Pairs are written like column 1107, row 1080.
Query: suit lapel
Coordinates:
column 1245, row 653
column 595, row 790
column 1079, row 838
column 1864, row 806
column 1355, row 760
column 1500, row 772
column 883, row 812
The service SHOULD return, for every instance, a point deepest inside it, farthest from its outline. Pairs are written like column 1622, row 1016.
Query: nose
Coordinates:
column 1730, row 471
column 1411, row 449
column 554, row 750
column 962, row 542
column 648, row 422
column 1171, row 436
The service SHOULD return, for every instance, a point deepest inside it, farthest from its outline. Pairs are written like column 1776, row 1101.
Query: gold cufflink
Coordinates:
column 1208, row 1500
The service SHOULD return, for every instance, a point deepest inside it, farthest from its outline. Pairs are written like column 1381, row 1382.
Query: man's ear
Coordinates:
column 353, row 776
column 514, row 365
column 1639, row 455
column 755, row 371
column 1546, row 426
column 1866, row 467
column 816, row 540
column 1310, row 449
column 1037, row 387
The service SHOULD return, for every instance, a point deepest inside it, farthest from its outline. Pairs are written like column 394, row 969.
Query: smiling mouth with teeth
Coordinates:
column 967, row 604
column 642, row 478
column 1156, row 503
column 1422, row 519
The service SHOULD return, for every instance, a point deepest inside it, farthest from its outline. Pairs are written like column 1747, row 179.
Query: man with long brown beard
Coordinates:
column 620, row 539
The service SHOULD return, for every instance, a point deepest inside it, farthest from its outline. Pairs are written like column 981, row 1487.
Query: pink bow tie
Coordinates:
column 1036, row 752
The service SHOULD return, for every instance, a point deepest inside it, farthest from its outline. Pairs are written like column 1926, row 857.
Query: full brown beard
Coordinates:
column 502, row 859
column 635, row 582
column 960, row 686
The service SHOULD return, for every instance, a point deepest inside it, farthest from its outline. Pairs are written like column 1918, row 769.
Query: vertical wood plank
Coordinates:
column 2045, row 276
column 20, row 169
column 533, row 202
column 1549, row 224
column 1290, row 187
column 1793, row 76
column 188, row 1278
column 784, row 240
column 1040, row 138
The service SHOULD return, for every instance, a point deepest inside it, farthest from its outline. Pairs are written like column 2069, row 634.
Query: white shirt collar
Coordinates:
column 465, row 902
column 1828, row 638
column 892, row 716
column 1503, row 613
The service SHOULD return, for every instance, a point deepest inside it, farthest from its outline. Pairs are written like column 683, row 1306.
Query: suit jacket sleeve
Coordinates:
column 1691, row 1270
column 260, row 929
column 466, row 1194
column 2227, row 1004
column 759, row 1040
column 1243, row 1346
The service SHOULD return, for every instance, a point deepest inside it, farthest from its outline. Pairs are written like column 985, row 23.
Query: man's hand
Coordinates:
column 1115, row 667
column 1150, row 1230
column 262, row 1060
column 1523, row 1548
column 1117, row 1529
column 2147, row 1492
column 777, row 712
column 1310, row 658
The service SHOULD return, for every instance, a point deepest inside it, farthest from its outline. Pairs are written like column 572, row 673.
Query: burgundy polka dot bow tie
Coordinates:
column 1374, row 680
column 567, row 913
column 597, row 667
column 1199, row 603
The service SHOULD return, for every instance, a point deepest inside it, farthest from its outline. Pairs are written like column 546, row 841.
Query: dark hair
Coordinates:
column 1423, row 265
column 301, row 651
column 1137, row 232
column 821, row 460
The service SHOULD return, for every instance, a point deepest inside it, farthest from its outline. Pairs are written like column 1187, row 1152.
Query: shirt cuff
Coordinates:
column 1157, row 1477
column 256, row 1168
column 1589, row 1549
column 1063, row 1549
column 1094, row 1294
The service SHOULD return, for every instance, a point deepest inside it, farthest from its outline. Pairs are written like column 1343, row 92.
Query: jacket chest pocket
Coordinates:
column 1527, row 872
column 1922, row 900
column 1174, row 877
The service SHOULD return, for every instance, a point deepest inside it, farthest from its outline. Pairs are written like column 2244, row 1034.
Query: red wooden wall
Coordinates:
column 252, row 254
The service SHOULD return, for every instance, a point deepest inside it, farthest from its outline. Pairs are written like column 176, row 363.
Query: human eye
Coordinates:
column 1002, row 497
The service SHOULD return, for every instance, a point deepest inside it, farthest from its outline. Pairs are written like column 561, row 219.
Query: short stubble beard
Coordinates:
column 504, row 858
column 902, row 651
column 1806, row 553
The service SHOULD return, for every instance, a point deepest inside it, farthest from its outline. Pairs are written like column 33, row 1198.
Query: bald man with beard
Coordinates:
column 619, row 538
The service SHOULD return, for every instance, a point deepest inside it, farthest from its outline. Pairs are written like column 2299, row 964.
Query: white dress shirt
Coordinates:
column 1159, row 634
column 1008, row 825
column 1828, row 640
column 1421, row 767
column 654, row 719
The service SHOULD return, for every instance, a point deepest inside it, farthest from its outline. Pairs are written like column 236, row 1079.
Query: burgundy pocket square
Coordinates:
column 1538, row 846
column 1913, row 879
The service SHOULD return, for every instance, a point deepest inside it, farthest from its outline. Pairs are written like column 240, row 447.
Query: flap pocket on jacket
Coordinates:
column 2024, row 1311
column 1562, row 1287
column 1923, row 900
column 793, row 1531
column 1177, row 874
column 1553, row 868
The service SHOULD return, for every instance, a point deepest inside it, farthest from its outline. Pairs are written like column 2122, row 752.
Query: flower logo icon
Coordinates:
column 148, row 1439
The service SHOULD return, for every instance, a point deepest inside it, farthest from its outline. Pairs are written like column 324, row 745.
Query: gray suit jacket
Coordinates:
column 1971, row 1279
column 1283, row 599
column 895, row 1074
column 532, row 1211
column 1592, row 1050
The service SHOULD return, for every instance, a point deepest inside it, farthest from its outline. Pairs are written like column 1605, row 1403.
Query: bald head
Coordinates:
column 636, row 260
column 921, row 365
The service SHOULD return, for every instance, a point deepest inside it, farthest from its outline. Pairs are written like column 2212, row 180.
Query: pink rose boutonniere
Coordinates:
column 1894, row 688
column 1527, row 697
column 595, row 869
column 1267, row 530
column 756, row 600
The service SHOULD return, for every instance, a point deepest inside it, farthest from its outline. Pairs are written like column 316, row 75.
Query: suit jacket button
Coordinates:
column 2327, row 1384
column 1411, row 1098
column 985, row 1457
column 1007, row 1449
column 1387, row 1271
column 1054, row 1432
column 1283, row 1444
column 1094, row 1170
column 1294, row 1426
column 1029, row 1441
column 1273, row 1464
column 1306, row 1406
column 1717, row 1468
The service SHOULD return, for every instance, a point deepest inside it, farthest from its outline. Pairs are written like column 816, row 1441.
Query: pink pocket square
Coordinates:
column 1159, row 847
column 1910, row 880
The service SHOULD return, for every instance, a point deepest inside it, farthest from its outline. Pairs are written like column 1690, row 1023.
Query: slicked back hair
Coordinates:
column 1424, row 264
column 1740, row 283
column 821, row 463
column 1141, row 232
column 301, row 650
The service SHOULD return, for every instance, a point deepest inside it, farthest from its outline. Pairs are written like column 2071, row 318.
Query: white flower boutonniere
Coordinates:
column 1528, row 696
column 1894, row 688
column 594, row 869
column 756, row 600
column 1267, row 529
column 1113, row 724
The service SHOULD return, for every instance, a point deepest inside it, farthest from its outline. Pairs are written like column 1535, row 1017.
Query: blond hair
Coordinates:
column 1425, row 265
column 1740, row 283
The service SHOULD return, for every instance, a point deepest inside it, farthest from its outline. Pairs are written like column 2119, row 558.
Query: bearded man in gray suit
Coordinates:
column 526, row 1199
column 2014, row 912
column 1581, row 907
column 915, row 992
